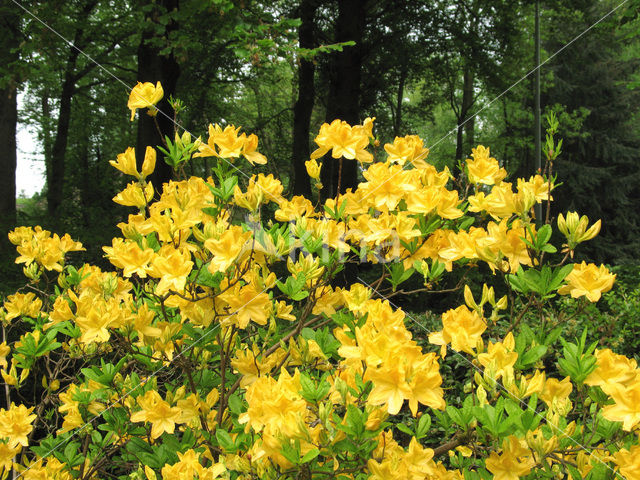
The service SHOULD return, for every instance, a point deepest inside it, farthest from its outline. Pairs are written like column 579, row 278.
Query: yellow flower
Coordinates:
column 514, row 462
column 4, row 351
column 626, row 408
column 127, row 255
column 226, row 249
column 7, row 453
column 145, row 95
column 344, row 141
column 149, row 163
column 575, row 228
column 172, row 266
column 406, row 149
column 159, row 413
column 483, row 168
column 555, row 394
column 15, row 424
column 22, row 304
column 134, row 195
column 499, row 360
column 462, row 328
column 313, row 168
column 628, row 462
column 126, row 162
column 612, row 369
column 249, row 150
column 588, row 280
column 246, row 304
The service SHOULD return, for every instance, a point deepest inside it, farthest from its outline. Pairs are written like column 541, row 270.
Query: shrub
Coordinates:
column 221, row 347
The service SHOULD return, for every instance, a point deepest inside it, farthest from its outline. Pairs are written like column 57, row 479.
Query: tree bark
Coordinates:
column 304, row 104
column 55, row 174
column 344, row 92
column 9, row 42
column 397, row 120
column 154, row 67
column 465, row 125
column 467, row 102
column 56, row 167
column 8, row 122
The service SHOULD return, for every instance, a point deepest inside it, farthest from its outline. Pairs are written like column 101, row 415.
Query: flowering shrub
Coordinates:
column 221, row 347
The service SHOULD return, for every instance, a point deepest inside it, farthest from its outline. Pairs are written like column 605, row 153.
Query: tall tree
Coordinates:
column 10, row 37
column 306, row 96
column 157, row 63
column 343, row 101
column 600, row 166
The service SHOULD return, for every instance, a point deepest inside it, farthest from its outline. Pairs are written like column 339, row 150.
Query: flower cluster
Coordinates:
column 223, row 346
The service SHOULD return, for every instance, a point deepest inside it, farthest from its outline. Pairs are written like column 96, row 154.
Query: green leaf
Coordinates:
column 224, row 440
column 310, row 455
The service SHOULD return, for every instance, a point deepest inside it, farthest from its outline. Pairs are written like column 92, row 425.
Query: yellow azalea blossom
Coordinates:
column 22, row 304
column 126, row 162
column 149, row 163
column 42, row 247
column 612, row 369
column 484, row 168
column 249, row 150
column 556, row 394
column 227, row 248
column 145, row 95
column 7, row 454
column 15, row 424
column 574, row 228
column 406, row 149
column 499, row 359
column 344, row 141
column 128, row 256
column 628, row 462
column 135, row 195
column 298, row 206
column 588, row 280
column 172, row 266
column 188, row 466
column 245, row 304
column 4, row 351
column 61, row 312
column 158, row 412
column 462, row 328
column 514, row 462
column 626, row 408
column 313, row 168
column 226, row 143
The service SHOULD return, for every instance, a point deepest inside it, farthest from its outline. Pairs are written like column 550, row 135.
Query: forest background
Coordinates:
column 457, row 73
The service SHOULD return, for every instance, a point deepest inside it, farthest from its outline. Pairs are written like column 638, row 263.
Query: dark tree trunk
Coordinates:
column 9, row 42
column 55, row 172
column 153, row 67
column 465, row 126
column 344, row 92
column 56, row 166
column 8, row 122
column 304, row 105
column 397, row 120
column 467, row 102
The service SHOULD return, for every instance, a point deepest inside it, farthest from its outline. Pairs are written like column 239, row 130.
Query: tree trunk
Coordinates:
column 344, row 92
column 55, row 174
column 304, row 105
column 397, row 120
column 465, row 125
column 153, row 67
column 56, row 167
column 467, row 102
column 9, row 42
column 8, row 122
